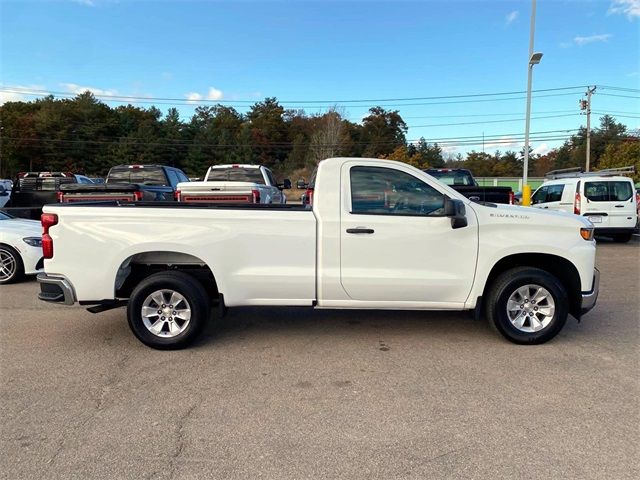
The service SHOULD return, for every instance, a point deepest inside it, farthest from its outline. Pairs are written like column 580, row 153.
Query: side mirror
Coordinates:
column 286, row 184
column 455, row 210
column 301, row 185
column 3, row 192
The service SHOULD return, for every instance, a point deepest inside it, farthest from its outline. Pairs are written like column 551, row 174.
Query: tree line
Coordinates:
column 85, row 135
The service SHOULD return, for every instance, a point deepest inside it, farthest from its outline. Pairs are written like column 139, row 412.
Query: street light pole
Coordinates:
column 533, row 59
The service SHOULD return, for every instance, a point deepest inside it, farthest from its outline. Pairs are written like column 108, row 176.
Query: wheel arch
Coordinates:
column 564, row 270
column 136, row 267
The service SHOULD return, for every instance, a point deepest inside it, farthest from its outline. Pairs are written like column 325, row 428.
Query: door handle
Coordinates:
column 360, row 230
column 545, row 207
column 619, row 206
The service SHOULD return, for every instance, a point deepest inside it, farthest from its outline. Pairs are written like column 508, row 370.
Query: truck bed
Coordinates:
column 257, row 252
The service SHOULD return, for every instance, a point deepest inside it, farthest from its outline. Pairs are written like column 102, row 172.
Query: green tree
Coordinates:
column 382, row 132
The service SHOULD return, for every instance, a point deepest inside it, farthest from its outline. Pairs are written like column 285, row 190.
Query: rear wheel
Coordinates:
column 11, row 266
column 527, row 305
column 622, row 237
column 168, row 310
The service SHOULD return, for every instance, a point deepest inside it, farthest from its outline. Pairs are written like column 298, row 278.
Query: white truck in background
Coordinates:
column 236, row 183
column 380, row 235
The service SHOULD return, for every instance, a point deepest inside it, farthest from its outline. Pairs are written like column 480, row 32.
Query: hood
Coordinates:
column 27, row 228
column 520, row 214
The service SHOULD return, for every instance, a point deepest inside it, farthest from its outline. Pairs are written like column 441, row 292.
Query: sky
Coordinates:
column 353, row 55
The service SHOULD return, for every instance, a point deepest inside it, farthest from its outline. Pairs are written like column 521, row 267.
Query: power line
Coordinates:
column 370, row 100
column 465, row 115
column 491, row 121
column 505, row 139
column 616, row 95
column 203, row 102
column 618, row 115
column 622, row 89
column 181, row 142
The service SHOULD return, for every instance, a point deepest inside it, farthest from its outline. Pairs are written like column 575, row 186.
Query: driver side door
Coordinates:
column 396, row 245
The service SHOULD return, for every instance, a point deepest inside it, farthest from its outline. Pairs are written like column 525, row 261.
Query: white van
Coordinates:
column 606, row 198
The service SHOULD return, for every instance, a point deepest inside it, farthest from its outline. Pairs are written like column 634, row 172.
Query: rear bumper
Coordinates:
column 55, row 289
column 588, row 300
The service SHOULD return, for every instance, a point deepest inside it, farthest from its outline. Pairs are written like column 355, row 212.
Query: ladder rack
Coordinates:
column 578, row 172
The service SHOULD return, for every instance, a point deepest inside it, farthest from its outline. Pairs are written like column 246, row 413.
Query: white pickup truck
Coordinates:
column 234, row 184
column 379, row 235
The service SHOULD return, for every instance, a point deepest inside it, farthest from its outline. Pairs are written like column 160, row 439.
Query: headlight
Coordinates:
column 33, row 241
column 587, row 233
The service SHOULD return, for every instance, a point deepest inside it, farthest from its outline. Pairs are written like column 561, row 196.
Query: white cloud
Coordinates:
column 88, row 3
column 193, row 97
column 603, row 37
column 541, row 149
column 11, row 97
column 78, row 89
column 503, row 143
column 16, row 95
column 214, row 94
column 630, row 8
column 511, row 17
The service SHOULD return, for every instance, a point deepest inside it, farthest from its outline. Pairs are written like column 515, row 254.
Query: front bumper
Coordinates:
column 588, row 300
column 55, row 289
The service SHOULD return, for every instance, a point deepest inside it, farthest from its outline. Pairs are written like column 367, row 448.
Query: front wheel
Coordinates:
column 168, row 310
column 527, row 305
column 11, row 266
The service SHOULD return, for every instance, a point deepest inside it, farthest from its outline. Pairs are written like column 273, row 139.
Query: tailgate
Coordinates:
column 219, row 192
column 78, row 192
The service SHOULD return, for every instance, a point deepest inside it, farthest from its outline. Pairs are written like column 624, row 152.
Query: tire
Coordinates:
column 622, row 237
column 546, row 315
column 162, row 324
column 11, row 265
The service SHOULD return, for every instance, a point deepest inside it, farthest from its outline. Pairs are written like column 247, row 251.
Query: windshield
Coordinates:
column 236, row 174
column 142, row 175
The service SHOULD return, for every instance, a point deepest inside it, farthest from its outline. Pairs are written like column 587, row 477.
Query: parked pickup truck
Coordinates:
column 234, row 184
column 380, row 235
column 128, row 183
column 32, row 190
column 462, row 181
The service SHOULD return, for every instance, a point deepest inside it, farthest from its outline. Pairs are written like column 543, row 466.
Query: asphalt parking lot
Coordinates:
column 296, row 393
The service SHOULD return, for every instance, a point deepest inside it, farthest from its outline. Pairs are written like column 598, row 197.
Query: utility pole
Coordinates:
column 586, row 106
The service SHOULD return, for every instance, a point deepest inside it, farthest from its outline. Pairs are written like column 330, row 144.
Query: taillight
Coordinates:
column 137, row 196
column 60, row 197
column 309, row 196
column 48, row 220
column 255, row 194
column 512, row 198
column 577, row 204
column 176, row 195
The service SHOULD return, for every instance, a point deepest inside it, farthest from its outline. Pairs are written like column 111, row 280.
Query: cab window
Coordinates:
column 554, row 193
column 385, row 191
column 540, row 196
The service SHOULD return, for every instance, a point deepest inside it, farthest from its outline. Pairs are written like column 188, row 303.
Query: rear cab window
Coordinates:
column 236, row 174
column 141, row 175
